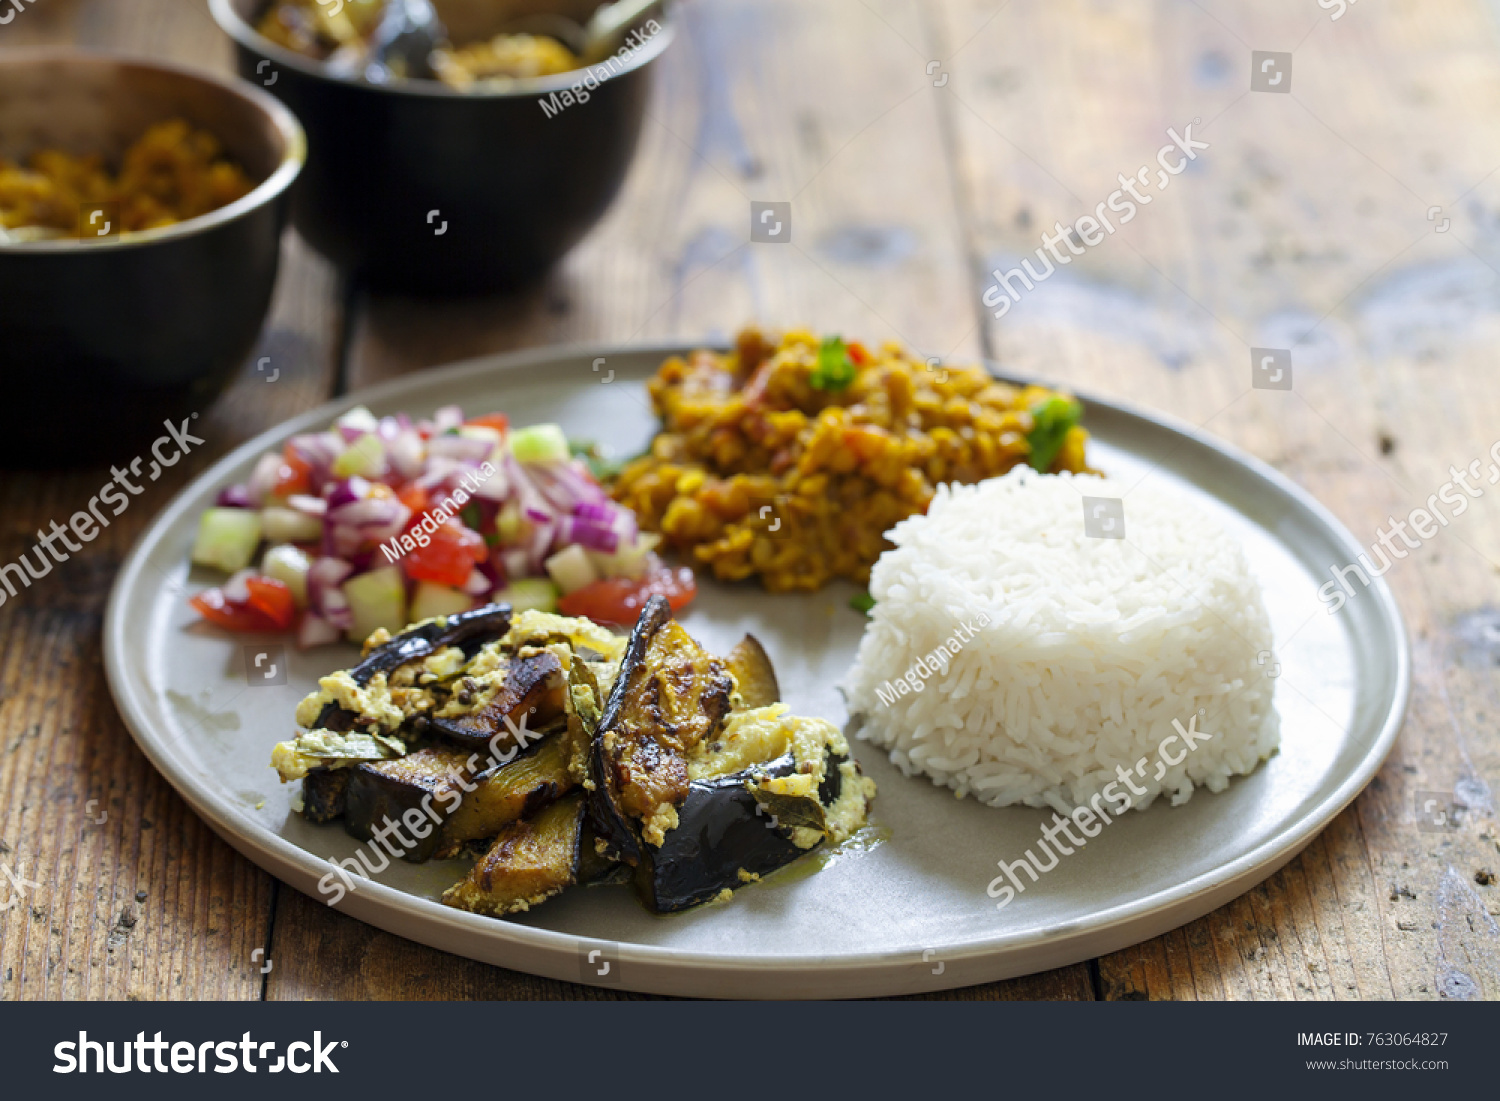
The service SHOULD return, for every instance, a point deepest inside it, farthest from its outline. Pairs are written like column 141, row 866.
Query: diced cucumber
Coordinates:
column 528, row 594
column 539, row 443
column 287, row 525
column 227, row 538
column 571, row 569
column 629, row 561
column 434, row 600
column 510, row 525
column 376, row 599
column 364, row 457
column 289, row 565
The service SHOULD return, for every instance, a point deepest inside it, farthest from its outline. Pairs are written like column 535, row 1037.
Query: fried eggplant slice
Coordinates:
column 753, row 673
column 769, row 790
column 418, row 792
column 532, row 860
column 510, row 791
column 323, row 794
column 468, row 631
column 530, row 695
column 668, row 697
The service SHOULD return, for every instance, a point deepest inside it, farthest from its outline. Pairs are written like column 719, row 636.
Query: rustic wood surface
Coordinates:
column 922, row 144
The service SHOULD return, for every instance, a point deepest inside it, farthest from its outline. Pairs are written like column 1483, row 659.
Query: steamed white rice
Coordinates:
column 1055, row 657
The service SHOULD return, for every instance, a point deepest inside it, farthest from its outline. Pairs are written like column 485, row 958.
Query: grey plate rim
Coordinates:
column 653, row 969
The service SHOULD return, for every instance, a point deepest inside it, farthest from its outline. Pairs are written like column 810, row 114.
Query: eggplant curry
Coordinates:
column 556, row 753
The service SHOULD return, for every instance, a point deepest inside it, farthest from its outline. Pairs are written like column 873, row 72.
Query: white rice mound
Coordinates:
column 1092, row 646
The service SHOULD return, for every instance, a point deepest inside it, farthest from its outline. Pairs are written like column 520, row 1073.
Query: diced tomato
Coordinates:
column 264, row 615
column 498, row 421
column 857, row 353
column 415, row 498
column 620, row 600
column 294, row 475
column 272, row 599
column 449, row 558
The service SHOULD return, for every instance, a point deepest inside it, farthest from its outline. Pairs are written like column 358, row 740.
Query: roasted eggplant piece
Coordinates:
column 753, row 673
column 510, row 791
column 323, row 794
column 531, row 694
column 468, row 631
column 419, row 792
column 742, row 820
column 530, row 861
column 668, row 697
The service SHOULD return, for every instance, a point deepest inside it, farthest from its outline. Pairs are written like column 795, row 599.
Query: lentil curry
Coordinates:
column 790, row 459
column 171, row 174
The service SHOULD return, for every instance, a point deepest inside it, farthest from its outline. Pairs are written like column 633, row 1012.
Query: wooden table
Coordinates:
column 1353, row 221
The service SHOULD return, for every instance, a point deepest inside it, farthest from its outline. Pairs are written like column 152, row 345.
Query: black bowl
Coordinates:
column 101, row 338
column 418, row 188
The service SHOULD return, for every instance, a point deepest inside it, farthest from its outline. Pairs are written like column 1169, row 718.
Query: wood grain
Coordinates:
column 1304, row 226
column 136, row 898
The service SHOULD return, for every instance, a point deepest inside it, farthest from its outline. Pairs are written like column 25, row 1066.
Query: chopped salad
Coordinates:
column 383, row 521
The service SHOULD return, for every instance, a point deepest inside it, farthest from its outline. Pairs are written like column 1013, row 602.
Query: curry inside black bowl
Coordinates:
column 450, row 148
column 141, row 212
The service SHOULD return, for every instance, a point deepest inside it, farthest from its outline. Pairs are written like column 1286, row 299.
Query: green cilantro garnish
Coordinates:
column 862, row 602
column 472, row 516
column 1053, row 419
column 602, row 468
column 834, row 370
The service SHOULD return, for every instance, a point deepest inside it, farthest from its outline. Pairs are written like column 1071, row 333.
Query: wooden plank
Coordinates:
column 136, row 898
column 1303, row 226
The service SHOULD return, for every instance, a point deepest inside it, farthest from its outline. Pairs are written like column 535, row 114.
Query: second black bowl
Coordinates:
column 415, row 187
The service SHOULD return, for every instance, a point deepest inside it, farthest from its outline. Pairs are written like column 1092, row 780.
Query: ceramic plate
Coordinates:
column 907, row 914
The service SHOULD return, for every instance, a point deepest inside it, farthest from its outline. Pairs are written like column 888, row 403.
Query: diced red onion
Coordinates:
column 478, row 584
column 405, row 453
column 465, row 448
column 351, row 433
column 235, row 590
column 595, row 510
column 350, row 489
column 314, row 630
column 589, row 535
column 516, row 560
column 308, row 506
column 235, row 496
column 319, row 449
column 264, row 477
column 494, row 488
column 449, row 416
column 324, row 577
column 370, row 511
